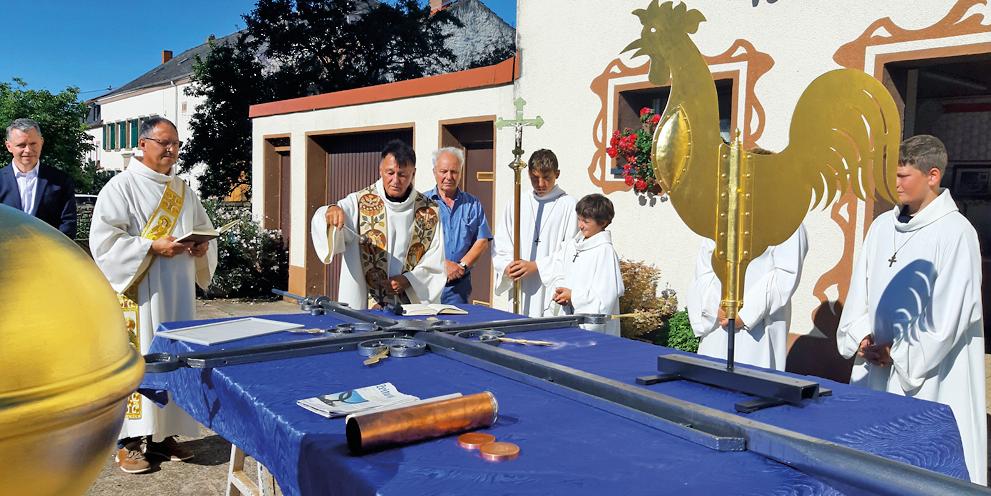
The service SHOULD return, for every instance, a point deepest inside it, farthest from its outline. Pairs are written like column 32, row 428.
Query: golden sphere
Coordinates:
column 66, row 365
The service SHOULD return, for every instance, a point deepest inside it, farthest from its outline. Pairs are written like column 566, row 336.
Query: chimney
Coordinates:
column 166, row 56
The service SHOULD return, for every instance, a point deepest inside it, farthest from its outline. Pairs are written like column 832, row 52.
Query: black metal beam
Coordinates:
column 744, row 380
column 167, row 362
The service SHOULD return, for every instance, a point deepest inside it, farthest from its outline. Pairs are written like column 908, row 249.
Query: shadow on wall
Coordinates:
column 811, row 355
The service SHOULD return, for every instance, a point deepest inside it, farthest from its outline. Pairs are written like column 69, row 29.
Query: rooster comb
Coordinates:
column 669, row 16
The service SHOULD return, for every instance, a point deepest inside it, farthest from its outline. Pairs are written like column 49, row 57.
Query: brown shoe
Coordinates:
column 130, row 459
column 170, row 449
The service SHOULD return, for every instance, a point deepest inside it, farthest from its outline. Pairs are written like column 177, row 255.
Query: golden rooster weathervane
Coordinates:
column 844, row 133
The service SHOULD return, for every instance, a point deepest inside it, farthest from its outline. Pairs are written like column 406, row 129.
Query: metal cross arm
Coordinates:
column 519, row 121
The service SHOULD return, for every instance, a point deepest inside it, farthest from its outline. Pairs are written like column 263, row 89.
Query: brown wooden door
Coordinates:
column 285, row 198
column 478, row 178
column 352, row 162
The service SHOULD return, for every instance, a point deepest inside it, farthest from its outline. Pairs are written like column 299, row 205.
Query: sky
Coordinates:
column 95, row 45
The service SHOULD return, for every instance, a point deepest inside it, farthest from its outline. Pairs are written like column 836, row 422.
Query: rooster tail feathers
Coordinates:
column 844, row 134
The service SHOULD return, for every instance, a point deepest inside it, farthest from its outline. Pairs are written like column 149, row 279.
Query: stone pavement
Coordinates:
column 206, row 475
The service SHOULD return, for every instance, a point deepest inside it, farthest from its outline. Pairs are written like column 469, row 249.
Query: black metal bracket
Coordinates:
column 770, row 389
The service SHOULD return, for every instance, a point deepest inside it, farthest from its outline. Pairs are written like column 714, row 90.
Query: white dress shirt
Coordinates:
column 27, row 183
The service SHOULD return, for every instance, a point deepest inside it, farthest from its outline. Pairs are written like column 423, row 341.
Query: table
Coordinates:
column 567, row 445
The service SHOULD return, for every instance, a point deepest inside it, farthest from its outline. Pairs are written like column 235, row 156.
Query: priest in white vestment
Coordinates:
column 762, row 322
column 137, row 217
column 390, row 237
column 547, row 222
column 586, row 276
column 913, row 315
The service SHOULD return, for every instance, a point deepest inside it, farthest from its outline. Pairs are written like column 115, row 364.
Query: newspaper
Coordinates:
column 356, row 400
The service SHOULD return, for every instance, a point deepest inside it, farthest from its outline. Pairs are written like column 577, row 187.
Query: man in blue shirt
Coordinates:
column 466, row 232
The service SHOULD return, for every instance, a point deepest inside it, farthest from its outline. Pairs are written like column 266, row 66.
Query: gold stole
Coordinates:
column 372, row 229
column 161, row 223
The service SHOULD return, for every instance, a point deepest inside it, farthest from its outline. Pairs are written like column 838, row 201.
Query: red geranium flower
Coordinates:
column 640, row 185
column 611, row 152
column 655, row 119
column 644, row 111
column 629, row 180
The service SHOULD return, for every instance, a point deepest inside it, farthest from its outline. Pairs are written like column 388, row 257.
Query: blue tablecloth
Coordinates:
column 567, row 446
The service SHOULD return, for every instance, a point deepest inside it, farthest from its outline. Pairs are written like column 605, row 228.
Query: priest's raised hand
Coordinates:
column 335, row 216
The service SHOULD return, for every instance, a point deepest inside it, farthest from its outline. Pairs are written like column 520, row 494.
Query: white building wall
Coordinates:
column 169, row 102
column 562, row 54
column 424, row 112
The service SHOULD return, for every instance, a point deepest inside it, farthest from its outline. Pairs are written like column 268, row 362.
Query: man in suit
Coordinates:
column 44, row 192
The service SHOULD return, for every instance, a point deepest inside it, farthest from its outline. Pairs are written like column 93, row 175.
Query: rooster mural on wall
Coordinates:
column 845, row 133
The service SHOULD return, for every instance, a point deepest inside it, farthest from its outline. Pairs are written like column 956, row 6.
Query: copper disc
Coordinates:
column 498, row 452
column 473, row 440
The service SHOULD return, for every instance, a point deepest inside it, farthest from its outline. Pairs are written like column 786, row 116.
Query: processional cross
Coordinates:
column 518, row 123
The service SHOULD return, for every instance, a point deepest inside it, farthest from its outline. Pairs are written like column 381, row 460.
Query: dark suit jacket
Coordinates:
column 54, row 200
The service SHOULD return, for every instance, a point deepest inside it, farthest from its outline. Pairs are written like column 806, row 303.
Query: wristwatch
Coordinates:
column 463, row 265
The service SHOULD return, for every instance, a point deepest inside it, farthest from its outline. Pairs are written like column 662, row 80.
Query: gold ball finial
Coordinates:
column 66, row 367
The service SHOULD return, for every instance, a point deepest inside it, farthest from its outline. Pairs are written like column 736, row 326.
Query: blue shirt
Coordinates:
column 464, row 223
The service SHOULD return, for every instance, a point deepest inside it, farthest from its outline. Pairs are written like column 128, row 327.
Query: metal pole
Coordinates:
column 731, row 343
column 517, row 167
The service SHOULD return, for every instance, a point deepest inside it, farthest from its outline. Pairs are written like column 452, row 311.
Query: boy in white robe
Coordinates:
column 586, row 275
column 132, row 239
column 913, row 315
column 547, row 221
column 762, row 323
column 390, row 236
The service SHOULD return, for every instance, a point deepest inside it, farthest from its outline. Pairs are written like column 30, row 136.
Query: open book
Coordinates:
column 431, row 309
column 200, row 235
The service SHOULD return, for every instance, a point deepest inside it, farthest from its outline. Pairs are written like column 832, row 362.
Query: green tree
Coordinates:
column 230, row 79
column 293, row 48
column 60, row 116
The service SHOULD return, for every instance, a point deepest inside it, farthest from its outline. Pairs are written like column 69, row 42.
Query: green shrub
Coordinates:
column 677, row 333
column 251, row 260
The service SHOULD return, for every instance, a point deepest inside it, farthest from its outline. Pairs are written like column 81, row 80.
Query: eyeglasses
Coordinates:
column 166, row 144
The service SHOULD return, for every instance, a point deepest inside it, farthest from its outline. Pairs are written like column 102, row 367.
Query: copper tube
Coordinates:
column 419, row 422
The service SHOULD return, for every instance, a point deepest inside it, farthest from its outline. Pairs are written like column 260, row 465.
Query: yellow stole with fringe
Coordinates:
column 161, row 223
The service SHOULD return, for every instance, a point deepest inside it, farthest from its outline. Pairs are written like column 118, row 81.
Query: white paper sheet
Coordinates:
column 228, row 330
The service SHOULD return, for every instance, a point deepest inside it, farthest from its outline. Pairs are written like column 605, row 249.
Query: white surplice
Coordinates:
column 924, row 300
column 166, row 286
column 770, row 281
column 428, row 277
column 546, row 223
column 589, row 267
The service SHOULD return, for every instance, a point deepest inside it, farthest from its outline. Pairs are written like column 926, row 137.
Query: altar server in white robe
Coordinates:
column 137, row 218
column 913, row 315
column 390, row 237
column 762, row 322
column 547, row 221
column 586, row 276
